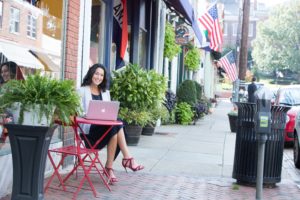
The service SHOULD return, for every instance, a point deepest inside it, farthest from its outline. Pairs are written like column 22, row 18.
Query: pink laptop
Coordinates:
column 103, row 110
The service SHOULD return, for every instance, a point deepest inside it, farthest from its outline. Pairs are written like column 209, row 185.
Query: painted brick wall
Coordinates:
column 72, row 39
column 71, row 54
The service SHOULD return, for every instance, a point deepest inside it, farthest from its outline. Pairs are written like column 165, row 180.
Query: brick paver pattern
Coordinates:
column 141, row 185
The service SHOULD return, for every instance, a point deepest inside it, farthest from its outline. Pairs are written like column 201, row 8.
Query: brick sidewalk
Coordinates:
column 204, row 152
column 136, row 186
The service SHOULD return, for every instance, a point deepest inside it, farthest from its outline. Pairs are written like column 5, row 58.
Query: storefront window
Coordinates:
column 143, row 49
column 97, row 33
column 35, row 47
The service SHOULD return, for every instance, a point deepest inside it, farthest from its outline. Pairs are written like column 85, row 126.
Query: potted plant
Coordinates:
column 30, row 135
column 171, row 49
column 157, row 86
column 45, row 97
column 131, row 87
column 149, row 128
column 139, row 92
column 233, row 116
column 134, row 122
column 192, row 58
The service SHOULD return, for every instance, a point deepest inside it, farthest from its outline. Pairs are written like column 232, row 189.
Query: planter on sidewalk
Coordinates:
column 29, row 146
column 133, row 134
column 148, row 130
column 233, row 116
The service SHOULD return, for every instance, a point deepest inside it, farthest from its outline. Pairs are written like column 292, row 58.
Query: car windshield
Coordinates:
column 290, row 97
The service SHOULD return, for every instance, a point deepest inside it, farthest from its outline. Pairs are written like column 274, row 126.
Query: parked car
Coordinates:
column 274, row 94
column 289, row 96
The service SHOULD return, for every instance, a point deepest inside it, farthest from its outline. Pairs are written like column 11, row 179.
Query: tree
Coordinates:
column 277, row 43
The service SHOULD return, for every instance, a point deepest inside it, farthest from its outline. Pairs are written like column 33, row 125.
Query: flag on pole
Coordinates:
column 120, row 32
column 210, row 22
column 228, row 64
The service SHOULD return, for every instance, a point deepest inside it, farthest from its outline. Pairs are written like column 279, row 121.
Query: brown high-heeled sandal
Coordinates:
column 128, row 163
column 109, row 172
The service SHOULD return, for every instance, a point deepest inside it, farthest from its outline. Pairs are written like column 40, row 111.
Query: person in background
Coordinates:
column 8, row 71
column 251, row 90
column 94, row 87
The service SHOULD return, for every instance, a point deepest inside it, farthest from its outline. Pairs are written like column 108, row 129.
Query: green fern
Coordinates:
column 50, row 94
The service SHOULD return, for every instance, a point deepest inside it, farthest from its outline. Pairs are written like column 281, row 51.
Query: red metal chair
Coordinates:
column 85, row 159
column 3, row 133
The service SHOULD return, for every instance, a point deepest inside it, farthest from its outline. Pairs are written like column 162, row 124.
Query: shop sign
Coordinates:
column 182, row 34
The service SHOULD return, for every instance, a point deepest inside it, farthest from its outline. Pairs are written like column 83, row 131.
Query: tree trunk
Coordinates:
column 244, row 41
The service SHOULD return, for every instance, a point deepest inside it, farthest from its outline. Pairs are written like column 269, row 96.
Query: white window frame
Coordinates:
column 14, row 21
column 31, row 26
column 225, row 29
column 234, row 28
column 251, row 31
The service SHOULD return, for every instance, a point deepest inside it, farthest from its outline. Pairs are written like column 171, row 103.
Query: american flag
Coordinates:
column 210, row 22
column 228, row 64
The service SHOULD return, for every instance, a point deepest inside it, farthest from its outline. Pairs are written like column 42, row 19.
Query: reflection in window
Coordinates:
column 31, row 26
column 14, row 23
column 142, row 50
column 96, row 7
column 42, row 21
column 1, row 13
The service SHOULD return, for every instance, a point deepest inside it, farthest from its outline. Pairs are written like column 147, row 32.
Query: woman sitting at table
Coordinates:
column 93, row 87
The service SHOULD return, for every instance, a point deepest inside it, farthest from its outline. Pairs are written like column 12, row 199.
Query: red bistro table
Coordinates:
column 90, row 154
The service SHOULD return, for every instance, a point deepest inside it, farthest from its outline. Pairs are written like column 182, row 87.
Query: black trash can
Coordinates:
column 245, row 157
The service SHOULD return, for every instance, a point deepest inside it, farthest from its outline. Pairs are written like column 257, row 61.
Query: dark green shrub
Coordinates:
column 199, row 90
column 187, row 92
column 184, row 113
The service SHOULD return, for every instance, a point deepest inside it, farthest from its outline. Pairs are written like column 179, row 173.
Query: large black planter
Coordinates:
column 148, row 130
column 29, row 146
column 133, row 133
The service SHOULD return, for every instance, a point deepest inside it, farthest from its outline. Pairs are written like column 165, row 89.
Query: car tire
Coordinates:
column 296, row 150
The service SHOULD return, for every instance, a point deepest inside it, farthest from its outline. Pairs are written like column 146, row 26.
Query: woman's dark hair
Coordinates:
column 12, row 67
column 87, row 80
